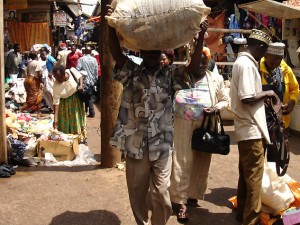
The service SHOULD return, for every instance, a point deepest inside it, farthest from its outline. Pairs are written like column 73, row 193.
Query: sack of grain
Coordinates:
column 155, row 24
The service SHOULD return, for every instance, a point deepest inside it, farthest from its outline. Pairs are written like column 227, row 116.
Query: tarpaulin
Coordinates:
column 213, row 37
column 28, row 34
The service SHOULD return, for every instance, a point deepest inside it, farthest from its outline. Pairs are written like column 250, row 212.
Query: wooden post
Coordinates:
column 221, row 30
column 111, row 92
column 3, row 141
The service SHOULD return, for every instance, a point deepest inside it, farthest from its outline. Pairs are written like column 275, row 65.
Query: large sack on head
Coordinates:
column 155, row 24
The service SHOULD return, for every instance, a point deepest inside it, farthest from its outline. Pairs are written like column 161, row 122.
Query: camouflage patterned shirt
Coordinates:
column 145, row 121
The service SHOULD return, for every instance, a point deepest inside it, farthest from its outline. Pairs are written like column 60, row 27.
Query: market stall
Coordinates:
column 32, row 141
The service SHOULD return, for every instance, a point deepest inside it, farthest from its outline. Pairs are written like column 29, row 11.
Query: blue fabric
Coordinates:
column 50, row 63
column 234, row 25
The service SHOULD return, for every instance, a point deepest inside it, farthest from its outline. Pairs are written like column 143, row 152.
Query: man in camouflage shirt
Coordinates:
column 144, row 129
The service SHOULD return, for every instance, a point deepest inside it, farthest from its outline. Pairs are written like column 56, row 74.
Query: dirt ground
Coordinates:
column 94, row 196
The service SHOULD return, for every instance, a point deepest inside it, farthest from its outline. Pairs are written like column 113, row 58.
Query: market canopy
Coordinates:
column 273, row 9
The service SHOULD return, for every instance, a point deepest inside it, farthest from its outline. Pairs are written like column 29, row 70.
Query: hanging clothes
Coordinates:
column 234, row 24
column 213, row 37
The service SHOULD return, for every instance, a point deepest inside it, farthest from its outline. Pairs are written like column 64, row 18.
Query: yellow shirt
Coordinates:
column 291, row 85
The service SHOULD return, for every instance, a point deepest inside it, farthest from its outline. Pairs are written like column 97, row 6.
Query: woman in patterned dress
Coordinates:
column 191, row 168
column 69, row 113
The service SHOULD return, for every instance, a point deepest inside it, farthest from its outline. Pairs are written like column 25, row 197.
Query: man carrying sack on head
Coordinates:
column 250, row 125
column 144, row 129
column 276, row 75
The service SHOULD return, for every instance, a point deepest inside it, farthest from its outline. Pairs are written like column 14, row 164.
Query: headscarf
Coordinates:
column 206, row 52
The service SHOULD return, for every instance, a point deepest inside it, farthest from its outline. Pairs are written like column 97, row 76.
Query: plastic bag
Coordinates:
column 157, row 25
column 276, row 194
column 85, row 157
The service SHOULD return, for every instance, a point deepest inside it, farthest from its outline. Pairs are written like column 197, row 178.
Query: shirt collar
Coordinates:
column 247, row 54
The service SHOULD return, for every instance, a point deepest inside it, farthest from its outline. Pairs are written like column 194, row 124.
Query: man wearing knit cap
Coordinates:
column 247, row 104
column 276, row 75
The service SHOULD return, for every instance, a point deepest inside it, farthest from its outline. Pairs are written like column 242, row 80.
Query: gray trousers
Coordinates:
column 148, row 184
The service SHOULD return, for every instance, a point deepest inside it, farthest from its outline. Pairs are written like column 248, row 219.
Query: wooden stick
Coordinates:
column 279, row 39
column 3, row 141
column 221, row 30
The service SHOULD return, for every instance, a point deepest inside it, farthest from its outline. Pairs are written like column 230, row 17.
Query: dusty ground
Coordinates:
column 94, row 196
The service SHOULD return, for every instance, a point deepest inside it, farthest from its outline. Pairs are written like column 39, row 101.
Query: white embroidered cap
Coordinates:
column 276, row 48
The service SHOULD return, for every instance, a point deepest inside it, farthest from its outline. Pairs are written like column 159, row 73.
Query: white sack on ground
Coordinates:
column 276, row 194
column 157, row 25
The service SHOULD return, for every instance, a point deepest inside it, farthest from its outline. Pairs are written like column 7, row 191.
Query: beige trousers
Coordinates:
column 148, row 184
column 190, row 168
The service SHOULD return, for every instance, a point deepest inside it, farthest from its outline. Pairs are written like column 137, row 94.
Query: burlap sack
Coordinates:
column 156, row 24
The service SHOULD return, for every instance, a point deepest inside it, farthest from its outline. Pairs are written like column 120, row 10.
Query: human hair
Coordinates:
column 16, row 45
column 44, row 49
column 42, row 52
column 33, row 56
column 170, row 54
column 10, row 14
column 59, row 68
column 11, row 46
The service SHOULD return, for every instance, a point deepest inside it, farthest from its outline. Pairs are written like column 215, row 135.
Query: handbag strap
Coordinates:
column 206, row 117
column 218, row 116
column 70, row 72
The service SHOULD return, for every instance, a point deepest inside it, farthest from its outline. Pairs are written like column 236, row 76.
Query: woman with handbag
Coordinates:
column 69, row 113
column 191, row 168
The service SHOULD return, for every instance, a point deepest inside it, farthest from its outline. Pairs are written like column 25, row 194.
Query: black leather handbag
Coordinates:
column 206, row 139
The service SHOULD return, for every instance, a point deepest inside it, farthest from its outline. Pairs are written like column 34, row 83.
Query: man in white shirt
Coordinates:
column 247, row 104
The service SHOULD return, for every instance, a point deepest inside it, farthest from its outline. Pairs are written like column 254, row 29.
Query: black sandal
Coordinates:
column 182, row 214
column 192, row 202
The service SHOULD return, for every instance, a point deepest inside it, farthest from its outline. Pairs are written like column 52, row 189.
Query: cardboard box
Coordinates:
column 61, row 150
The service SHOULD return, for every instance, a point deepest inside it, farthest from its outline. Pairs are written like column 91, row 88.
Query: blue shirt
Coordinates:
column 50, row 63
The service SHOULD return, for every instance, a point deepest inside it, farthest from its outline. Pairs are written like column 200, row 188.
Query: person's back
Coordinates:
column 90, row 65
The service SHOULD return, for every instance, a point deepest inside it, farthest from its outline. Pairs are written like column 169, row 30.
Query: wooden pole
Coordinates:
column 221, row 30
column 3, row 141
column 111, row 92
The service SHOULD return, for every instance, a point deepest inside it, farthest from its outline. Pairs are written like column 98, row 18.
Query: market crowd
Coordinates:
column 162, row 106
column 67, row 85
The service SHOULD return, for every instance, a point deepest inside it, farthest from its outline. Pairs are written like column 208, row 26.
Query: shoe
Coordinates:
column 182, row 214
column 192, row 202
column 91, row 116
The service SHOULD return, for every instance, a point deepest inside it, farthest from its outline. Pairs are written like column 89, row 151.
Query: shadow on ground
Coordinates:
column 95, row 217
column 220, row 196
column 200, row 216
column 294, row 144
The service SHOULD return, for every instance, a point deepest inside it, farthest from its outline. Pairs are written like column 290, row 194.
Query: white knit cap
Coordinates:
column 276, row 48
